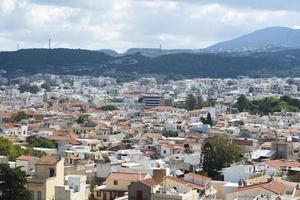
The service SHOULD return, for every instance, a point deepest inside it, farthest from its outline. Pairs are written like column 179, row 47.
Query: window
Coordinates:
column 115, row 182
column 32, row 195
column 39, row 195
column 52, row 172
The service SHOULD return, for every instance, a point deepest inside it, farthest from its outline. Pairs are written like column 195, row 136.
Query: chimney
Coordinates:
column 159, row 174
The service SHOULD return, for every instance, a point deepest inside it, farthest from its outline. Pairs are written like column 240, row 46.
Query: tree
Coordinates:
column 243, row 104
column 46, row 87
column 41, row 142
column 29, row 88
column 109, row 108
column 12, row 184
column 199, row 102
column 7, row 148
column 20, row 116
column 209, row 119
column 82, row 119
column 190, row 102
column 218, row 152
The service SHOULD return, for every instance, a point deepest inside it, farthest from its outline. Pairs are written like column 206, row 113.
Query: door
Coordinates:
column 139, row 195
column 104, row 196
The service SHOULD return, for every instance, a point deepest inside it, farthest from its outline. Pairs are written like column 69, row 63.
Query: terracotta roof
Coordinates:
column 150, row 182
column 46, row 160
column 24, row 157
column 182, row 182
column 243, row 142
column 277, row 164
column 198, row 176
column 67, row 138
column 296, row 193
column 126, row 176
column 274, row 186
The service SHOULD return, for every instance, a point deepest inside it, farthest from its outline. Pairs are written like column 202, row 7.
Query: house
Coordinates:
column 170, row 149
column 271, row 189
column 117, row 185
column 142, row 189
column 75, row 188
column 49, row 173
column 27, row 163
column 235, row 173
column 201, row 181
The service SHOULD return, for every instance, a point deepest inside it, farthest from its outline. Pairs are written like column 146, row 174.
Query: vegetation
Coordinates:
column 41, row 142
column 109, row 108
column 82, row 119
column 268, row 105
column 218, row 152
column 46, row 87
column 128, row 67
column 7, row 148
column 207, row 120
column 293, row 178
column 192, row 102
column 170, row 134
column 19, row 116
column 29, row 88
column 12, row 184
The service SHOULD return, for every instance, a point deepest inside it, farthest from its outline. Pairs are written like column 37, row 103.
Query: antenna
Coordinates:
column 49, row 43
column 160, row 49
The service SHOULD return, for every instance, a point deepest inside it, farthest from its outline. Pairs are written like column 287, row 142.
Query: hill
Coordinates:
column 94, row 63
column 261, row 39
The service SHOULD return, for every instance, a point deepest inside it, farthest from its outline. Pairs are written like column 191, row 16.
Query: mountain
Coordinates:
column 127, row 67
column 154, row 52
column 267, row 38
column 110, row 52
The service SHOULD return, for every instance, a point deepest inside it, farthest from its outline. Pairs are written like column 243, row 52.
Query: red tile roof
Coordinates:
column 67, row 138
column 274, row 186
column 277, row 164
column 46, row 160
column 126, row 176
column 182, row 182
column 150, row 182
column 198, row 176
column 24, row 158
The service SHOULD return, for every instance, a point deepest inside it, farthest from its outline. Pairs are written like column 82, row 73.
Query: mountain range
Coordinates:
column 268, row 52
column 267, row 39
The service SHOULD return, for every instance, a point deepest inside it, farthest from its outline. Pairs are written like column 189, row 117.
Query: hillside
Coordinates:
column 85, row 62
column 261, row 39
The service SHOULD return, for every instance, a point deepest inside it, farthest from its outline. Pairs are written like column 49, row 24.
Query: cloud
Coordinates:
column 122, row 24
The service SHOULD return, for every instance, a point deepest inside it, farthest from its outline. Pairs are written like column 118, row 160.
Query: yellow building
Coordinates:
column 49, row 173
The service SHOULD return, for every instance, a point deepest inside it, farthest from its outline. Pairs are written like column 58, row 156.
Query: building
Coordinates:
column 151, row 101
column 74, row 188
column 49, row 173
column 142, row 190
column 117, row 185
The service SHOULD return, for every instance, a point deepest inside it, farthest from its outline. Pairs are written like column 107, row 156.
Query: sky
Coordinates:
column 123, row 24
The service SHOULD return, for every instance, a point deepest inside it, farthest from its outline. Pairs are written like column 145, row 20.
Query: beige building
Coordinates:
column 117, row 185
column 27, row 163
column 49, row 173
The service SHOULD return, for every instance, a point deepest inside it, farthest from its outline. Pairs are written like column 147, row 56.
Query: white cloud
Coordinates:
column 122, row 24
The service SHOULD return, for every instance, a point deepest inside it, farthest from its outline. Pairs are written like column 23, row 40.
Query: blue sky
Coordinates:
column 122, row 24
